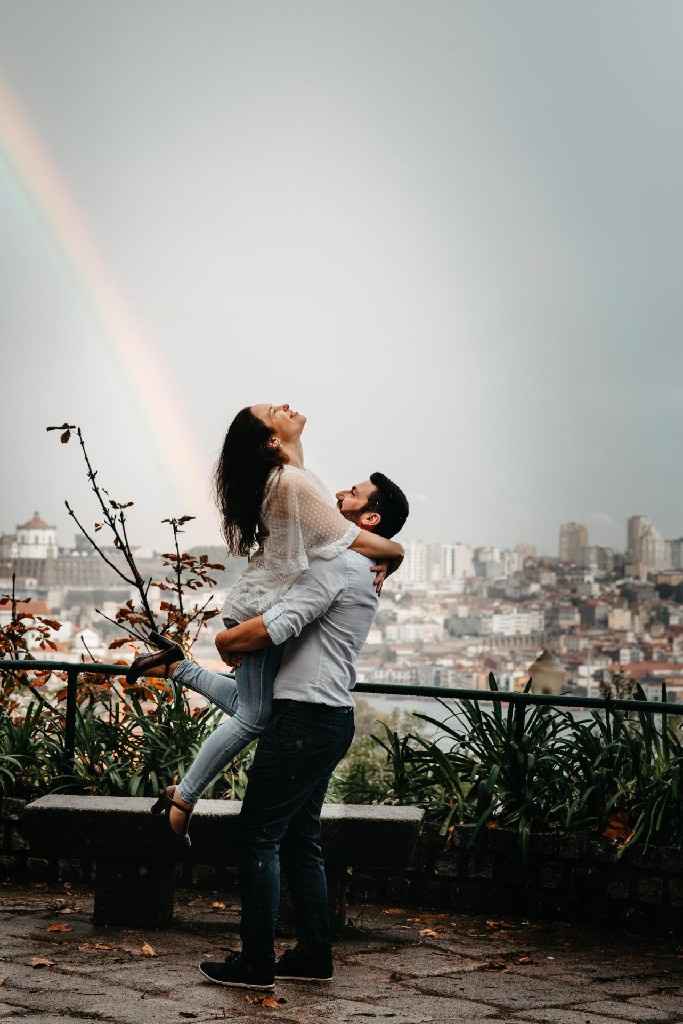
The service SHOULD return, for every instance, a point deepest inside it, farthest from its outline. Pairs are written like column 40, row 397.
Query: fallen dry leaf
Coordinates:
column 148, row 950
column 393, row 911
column 41, row 961
column 493, row 924
column 524, row 960
column 428, row 933
column 271, row 1002
column 218, row 905
column 59, row 927
column 2, row 981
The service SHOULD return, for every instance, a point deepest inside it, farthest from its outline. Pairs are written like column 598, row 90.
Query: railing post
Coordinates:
column 70, row 724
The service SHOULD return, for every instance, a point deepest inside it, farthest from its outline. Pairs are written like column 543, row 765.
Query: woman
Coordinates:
column 266, row 498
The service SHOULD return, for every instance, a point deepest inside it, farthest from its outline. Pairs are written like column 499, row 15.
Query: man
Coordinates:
column 330, row 610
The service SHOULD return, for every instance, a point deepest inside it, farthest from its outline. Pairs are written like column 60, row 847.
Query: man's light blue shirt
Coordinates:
column 329, row 609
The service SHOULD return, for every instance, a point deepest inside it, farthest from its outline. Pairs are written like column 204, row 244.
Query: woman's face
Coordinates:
column 287, row 424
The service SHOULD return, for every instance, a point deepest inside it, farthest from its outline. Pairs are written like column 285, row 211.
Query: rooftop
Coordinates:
column 35, row 523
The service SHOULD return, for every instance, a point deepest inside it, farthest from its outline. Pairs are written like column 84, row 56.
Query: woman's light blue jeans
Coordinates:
column 246, row 697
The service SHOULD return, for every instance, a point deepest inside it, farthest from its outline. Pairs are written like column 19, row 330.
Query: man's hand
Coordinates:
column 381, row 571
column 251, row 635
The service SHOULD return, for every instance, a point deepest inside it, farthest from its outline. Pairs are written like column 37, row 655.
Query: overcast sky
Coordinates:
column 448, row 232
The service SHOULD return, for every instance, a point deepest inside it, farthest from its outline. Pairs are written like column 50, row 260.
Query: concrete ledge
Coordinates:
column 373, row 837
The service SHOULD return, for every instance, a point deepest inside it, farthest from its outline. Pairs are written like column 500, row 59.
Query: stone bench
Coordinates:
column 135, row 864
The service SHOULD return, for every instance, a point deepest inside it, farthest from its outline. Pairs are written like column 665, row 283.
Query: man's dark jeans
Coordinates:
column 280, row 820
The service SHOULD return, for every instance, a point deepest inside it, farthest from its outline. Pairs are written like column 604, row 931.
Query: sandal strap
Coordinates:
column 179, row 806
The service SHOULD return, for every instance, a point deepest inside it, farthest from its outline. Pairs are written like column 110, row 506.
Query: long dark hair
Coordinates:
column 240, row 479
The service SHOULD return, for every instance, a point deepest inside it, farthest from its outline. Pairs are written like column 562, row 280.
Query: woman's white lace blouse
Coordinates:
column 302, row 522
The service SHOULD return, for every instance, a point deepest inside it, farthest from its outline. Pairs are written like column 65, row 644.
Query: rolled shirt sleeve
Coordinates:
column 306, row 600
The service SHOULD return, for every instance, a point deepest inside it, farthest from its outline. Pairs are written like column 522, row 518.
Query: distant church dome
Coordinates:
column 36, row 539
column 35, row 523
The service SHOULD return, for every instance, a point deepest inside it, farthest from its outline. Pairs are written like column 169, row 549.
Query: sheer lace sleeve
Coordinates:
column 302, row 522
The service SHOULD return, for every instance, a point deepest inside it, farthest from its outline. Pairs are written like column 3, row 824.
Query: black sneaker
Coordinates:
column 300, row 965
column 237, row 973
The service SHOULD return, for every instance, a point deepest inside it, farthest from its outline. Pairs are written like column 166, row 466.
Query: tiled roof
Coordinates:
column 35, row 523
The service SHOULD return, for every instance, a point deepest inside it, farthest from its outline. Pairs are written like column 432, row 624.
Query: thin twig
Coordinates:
column 98, row 549
column 178, row 568
column 92, row 656
column 138, row 636
column 201, row 621
column 121, row 542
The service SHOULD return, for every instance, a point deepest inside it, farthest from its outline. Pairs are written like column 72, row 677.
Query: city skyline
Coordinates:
column 642, row 542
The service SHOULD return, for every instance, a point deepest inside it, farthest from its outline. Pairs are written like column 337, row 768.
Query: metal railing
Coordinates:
column 74, row 669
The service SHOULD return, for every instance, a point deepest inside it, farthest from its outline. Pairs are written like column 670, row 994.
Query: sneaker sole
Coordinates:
column 300, row 977
column 237, row 984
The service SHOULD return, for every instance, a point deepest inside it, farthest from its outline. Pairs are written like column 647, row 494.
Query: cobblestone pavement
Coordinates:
column 407, row 967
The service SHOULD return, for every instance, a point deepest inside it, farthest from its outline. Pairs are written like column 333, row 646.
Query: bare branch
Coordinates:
column 138, row 636
column 92, row 656
column 98, row 549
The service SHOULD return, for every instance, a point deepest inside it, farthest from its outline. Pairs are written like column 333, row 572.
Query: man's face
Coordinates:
column 352, row 502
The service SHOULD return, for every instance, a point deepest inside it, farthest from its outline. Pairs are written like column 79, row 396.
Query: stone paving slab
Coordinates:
column 503, row 990
column 573, row 1016
column 630, row 1011
column 403, row 966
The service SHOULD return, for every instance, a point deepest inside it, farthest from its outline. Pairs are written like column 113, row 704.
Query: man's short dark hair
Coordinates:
column 390, row 502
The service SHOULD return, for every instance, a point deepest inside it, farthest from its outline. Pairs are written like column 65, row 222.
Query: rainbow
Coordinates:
column 41, row 180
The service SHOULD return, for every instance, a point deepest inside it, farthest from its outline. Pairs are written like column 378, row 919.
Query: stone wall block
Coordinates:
column 450, row 864
column 479, row 864
column 572, row 847
column 675, row 886
column 551, row 875
column 544, row 844
column 15, row 841
column 650, row 890
column 620, row 886
column 12, row 807
column 601, row 851
column 39, row 869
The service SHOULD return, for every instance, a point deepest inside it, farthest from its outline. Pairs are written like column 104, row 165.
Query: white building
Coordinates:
column 415, row 566
column 450, row 562
column 36, row 539
column 516, row 623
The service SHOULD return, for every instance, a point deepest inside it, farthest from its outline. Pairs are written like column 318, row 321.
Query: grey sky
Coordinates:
column 448, row 232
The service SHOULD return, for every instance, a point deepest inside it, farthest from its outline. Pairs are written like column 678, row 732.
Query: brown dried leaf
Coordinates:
column 119, row 642
column 52, row 623
column 148, row 950
column 218, row 905
column 59, row 927
column 41, row 961
column 524, row 960
column 269, row 1001
column 428, row 933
